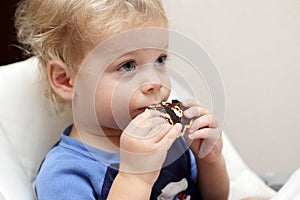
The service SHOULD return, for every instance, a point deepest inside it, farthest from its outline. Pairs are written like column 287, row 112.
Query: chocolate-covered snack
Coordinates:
column 173, row 113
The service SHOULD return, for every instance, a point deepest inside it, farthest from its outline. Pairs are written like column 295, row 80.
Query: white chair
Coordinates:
column 28, row 130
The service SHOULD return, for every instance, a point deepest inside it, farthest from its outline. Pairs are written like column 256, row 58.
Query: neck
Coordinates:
column 109, row 141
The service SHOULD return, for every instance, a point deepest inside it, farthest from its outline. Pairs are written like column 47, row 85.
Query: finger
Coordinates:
column 210, row 143
column 147, row 114
column 200, row 134
column 191, row 102
column 152, row 122
column 143, row 128
column 148, row 129
column 195, row 111
column 145, row 118
column 158, row 131
column 169, row 137
column 204, row 121
column 207, row 134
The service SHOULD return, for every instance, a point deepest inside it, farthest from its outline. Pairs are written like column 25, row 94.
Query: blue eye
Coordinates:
column 161, row 60
column 127, row 67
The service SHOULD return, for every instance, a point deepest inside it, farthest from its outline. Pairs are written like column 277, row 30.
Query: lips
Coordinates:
column 138, row 111
column 142, row 109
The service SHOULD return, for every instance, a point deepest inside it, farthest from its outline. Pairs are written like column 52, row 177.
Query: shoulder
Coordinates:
column 68, row 174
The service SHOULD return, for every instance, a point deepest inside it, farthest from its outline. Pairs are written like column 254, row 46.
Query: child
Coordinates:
column 61, row 33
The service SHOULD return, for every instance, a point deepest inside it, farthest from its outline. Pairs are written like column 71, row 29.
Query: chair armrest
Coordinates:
column 14, row 183
column 275, row 181
column 243, row 181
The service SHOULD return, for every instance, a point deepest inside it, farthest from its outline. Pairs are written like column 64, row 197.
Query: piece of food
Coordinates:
column 173, row 113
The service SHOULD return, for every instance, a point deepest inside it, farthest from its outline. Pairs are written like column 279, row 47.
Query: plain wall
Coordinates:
column 255, row 45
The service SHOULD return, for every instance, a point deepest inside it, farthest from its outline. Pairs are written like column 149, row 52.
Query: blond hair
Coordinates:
column 67, row 30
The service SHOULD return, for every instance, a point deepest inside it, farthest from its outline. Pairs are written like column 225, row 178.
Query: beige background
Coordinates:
column 255, row 45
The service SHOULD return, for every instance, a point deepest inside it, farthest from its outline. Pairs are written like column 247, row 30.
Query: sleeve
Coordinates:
column 67, row 181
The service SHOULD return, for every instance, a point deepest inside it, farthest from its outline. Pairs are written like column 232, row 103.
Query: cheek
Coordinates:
column 133, row 102
column 167, row 86
column 103, row 105
column 166, row 81
column 111, row 104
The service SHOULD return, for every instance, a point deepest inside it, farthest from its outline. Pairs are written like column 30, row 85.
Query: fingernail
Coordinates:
column 178, row 126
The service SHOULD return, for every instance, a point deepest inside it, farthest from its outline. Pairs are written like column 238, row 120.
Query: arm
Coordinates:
column 132, row 186
column 205, row 140
column 213, row 180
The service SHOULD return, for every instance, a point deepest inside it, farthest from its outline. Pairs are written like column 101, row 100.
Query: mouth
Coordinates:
column 142, row 109
column 138, row 111
column 155, row 104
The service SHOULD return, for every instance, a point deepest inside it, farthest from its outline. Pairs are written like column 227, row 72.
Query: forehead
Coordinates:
column 125, row 42
column 130, row 25
column 146, row 50
column 111, row 49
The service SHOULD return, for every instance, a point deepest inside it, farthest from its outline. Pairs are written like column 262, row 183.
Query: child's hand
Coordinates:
column 144, row 143
column 204, row 133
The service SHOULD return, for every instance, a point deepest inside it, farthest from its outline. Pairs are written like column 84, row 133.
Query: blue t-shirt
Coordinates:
column 74, row 170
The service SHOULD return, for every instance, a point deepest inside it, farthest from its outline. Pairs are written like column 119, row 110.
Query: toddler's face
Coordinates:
column 121, row 77
column 132, row 82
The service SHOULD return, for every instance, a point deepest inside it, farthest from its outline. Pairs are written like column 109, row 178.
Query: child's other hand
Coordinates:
column 204, row 135
column 144, row 143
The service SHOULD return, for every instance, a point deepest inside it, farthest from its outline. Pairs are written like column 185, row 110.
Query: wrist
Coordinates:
column 126, row 185
column 213, row 175
column 211, row 162
column 144, row 179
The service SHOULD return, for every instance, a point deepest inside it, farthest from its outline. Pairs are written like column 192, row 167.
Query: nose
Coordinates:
column 151, row 87
column 151, row 79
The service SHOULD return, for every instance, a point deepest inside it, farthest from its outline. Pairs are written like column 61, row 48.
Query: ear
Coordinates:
column 60, row 79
